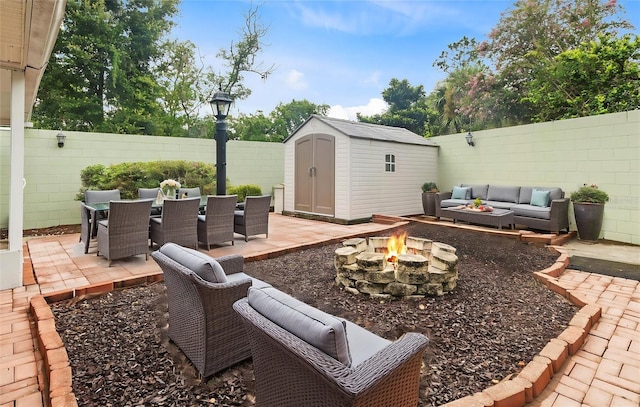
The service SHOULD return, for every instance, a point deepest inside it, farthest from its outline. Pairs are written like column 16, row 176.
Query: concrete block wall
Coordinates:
column 52, row 174
column 602, row 150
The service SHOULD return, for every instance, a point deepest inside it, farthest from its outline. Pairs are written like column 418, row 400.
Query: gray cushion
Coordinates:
column 477, row 190
column 460, row 193
column 206, row 267
column 539, row 198
column 319, row 329
column 503, row 193
column 362, row 343
column 448, row 203
column 499, row 204
column 530, row 211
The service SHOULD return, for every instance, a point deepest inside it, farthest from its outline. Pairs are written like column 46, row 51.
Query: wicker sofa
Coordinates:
column 541, row 208
column 200, row 293
column 301, row 357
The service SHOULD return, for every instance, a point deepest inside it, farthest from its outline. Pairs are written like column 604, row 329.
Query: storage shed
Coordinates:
column 348, row 171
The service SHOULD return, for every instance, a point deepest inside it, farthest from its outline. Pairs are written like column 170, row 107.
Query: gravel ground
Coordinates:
column 497, row 319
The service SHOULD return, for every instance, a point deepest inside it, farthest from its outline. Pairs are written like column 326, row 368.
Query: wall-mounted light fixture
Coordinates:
column 469, row 138
column 60, row 137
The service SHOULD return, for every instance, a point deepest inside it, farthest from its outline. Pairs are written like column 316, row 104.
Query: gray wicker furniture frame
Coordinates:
column 202, row 321
column 177, row 224
column 126, row 232
column 103, row 196
column 290, row 372
column 556, row 214
column 254, row 219
column 216, row 225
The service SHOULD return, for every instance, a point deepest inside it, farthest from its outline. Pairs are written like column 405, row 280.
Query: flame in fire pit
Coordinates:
column 396, row 247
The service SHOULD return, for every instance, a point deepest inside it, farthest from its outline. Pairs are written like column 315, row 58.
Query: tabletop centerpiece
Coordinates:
column 169, row 187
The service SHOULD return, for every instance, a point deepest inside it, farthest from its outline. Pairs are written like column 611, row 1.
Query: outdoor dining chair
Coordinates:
column 191, row 192
column 94, row 196
column 254, row 219
column 216, row 225
column 177, row 224
column 150, row 193
column 126, row 232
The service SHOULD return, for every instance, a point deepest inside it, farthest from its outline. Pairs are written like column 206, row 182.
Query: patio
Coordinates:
column 597, row 374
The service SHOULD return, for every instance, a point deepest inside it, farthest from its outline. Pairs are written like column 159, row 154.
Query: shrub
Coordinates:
column 589, row 194
column 429, row 187
column 245, row 190
column 128, row 177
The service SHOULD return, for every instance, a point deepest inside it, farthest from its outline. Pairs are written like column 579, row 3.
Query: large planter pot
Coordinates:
column 588, row 220
column 429, row 203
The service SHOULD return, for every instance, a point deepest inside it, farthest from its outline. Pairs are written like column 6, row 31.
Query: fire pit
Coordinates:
column 396, row 266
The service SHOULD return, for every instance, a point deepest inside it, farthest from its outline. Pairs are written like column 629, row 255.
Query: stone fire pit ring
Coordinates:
column 426, row 269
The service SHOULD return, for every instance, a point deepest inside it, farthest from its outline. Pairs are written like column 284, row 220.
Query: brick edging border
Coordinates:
column 516, row 392
column 536, row 375
column 57, row 369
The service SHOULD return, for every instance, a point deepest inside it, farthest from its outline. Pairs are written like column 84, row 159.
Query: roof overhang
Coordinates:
column 28, row 32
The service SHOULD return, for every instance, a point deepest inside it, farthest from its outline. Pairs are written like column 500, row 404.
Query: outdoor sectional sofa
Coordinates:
column 541, row 208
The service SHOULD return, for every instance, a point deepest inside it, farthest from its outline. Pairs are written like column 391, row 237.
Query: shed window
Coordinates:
column 390, row 163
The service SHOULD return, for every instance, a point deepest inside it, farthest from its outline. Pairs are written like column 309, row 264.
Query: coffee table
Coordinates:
column 497, row 218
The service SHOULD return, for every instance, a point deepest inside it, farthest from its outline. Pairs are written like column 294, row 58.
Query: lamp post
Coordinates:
column 220, row 104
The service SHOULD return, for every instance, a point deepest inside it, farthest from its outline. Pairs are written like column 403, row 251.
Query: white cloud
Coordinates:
column 295, row 80
column 375, row 106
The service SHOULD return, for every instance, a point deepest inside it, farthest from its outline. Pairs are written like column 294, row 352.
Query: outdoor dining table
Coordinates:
column 104, row 208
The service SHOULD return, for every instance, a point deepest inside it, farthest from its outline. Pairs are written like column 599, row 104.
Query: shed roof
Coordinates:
column 370, row 131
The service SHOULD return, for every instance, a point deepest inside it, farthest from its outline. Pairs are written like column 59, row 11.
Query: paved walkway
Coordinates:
column 604, row 372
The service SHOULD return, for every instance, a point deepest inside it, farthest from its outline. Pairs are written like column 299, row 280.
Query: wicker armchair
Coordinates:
column 91, row 196
column 289, row 371
column 178, row 223
column 216, row 225
column 254, row 219
column 202, row 322
column 126, row 232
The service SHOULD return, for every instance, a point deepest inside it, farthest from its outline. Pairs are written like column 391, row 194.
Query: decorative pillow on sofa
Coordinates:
column 461, row 193
column 201, row 264
column 540, row 198
column 319, row 329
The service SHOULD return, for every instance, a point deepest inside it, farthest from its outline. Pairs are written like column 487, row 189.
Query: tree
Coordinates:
column 280, row 123
column 599, row 77
column 528, row 38
column 99, row 75
column 407, row 107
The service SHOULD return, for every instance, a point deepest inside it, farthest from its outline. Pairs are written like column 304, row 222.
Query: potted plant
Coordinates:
column 588, row 208
column 429, row 190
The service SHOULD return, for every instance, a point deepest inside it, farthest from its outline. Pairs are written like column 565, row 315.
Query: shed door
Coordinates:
column 315, row 174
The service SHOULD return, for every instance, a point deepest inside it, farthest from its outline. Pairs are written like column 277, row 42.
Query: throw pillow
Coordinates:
column 206, row 267
column 540, row 198
column 460, row 193
column 317, row 328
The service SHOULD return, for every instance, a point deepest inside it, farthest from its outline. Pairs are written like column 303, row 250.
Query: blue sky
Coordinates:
column 342, row 53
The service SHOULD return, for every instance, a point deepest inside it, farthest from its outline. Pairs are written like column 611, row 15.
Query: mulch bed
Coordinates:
column 498, row 318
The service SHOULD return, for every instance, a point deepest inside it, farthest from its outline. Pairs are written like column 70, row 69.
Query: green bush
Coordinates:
column 590, row 194
column 245, row 190
column 429, row 187
column 128, row 177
